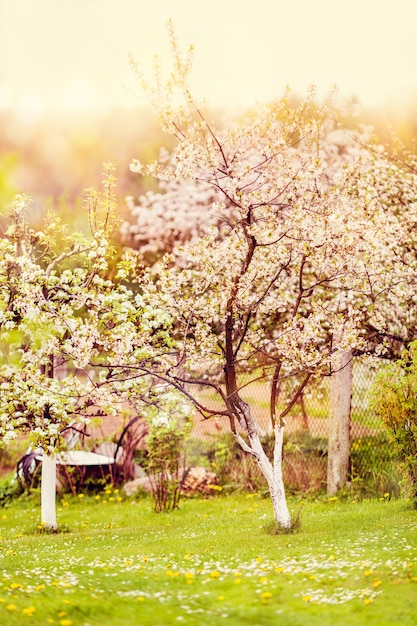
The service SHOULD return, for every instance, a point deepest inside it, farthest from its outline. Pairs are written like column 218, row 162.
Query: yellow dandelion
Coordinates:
column 266, row 595
column 307, row 598
column 377, row 583
column 30, row 610
column 215, row 574
column 368, row 601
column 15, row 586
column 11, row 607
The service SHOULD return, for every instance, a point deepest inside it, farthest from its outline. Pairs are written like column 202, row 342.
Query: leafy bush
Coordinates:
column 168, row 428
column 374, row 467
column 10, row 454
column 394, row 400
column 10, row 489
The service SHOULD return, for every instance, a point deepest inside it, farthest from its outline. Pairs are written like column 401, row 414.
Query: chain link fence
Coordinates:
column 372, row 467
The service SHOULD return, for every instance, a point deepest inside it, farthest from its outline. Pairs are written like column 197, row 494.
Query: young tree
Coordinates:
column 263, row 300
column 63, row 324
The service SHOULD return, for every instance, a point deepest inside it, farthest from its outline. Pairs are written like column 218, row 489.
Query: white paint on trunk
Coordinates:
column 48, row 491
column 339, row 421
column 272, row 473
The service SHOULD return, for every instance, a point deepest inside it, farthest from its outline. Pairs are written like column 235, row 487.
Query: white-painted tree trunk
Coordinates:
column 272, row 473
column 339, row 422
column 48, row 491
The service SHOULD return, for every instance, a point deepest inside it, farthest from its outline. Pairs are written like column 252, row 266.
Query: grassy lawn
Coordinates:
column 211, row 562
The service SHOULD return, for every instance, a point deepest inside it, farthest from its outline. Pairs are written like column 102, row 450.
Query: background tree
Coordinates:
column 389, row 313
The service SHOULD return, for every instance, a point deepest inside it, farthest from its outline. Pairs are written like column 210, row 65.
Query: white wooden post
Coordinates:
column 48, row 491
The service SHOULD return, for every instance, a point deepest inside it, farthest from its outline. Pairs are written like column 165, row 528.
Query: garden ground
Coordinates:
column 214, row 561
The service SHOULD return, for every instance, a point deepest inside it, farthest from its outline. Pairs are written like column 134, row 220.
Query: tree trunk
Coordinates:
column 339, row 422
column 48, row 492
column 272, row 473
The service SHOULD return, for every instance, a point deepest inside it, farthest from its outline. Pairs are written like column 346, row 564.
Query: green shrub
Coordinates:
column 10, row 489
column 168, row 429
column 394, row 400
column 10, row 454
column 374, row 469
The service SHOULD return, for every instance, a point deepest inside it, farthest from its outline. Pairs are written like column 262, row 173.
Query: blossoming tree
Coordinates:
column 182, row 210
column 63, row 324
column 266, row 299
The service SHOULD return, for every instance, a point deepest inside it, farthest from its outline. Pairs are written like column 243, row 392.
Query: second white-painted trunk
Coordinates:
column 339, row 422
column 48, row 492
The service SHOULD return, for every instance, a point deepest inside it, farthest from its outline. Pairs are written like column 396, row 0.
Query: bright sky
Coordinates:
column 74, row 53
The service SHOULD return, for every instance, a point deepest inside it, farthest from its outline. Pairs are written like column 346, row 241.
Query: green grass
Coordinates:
column 211, row 562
